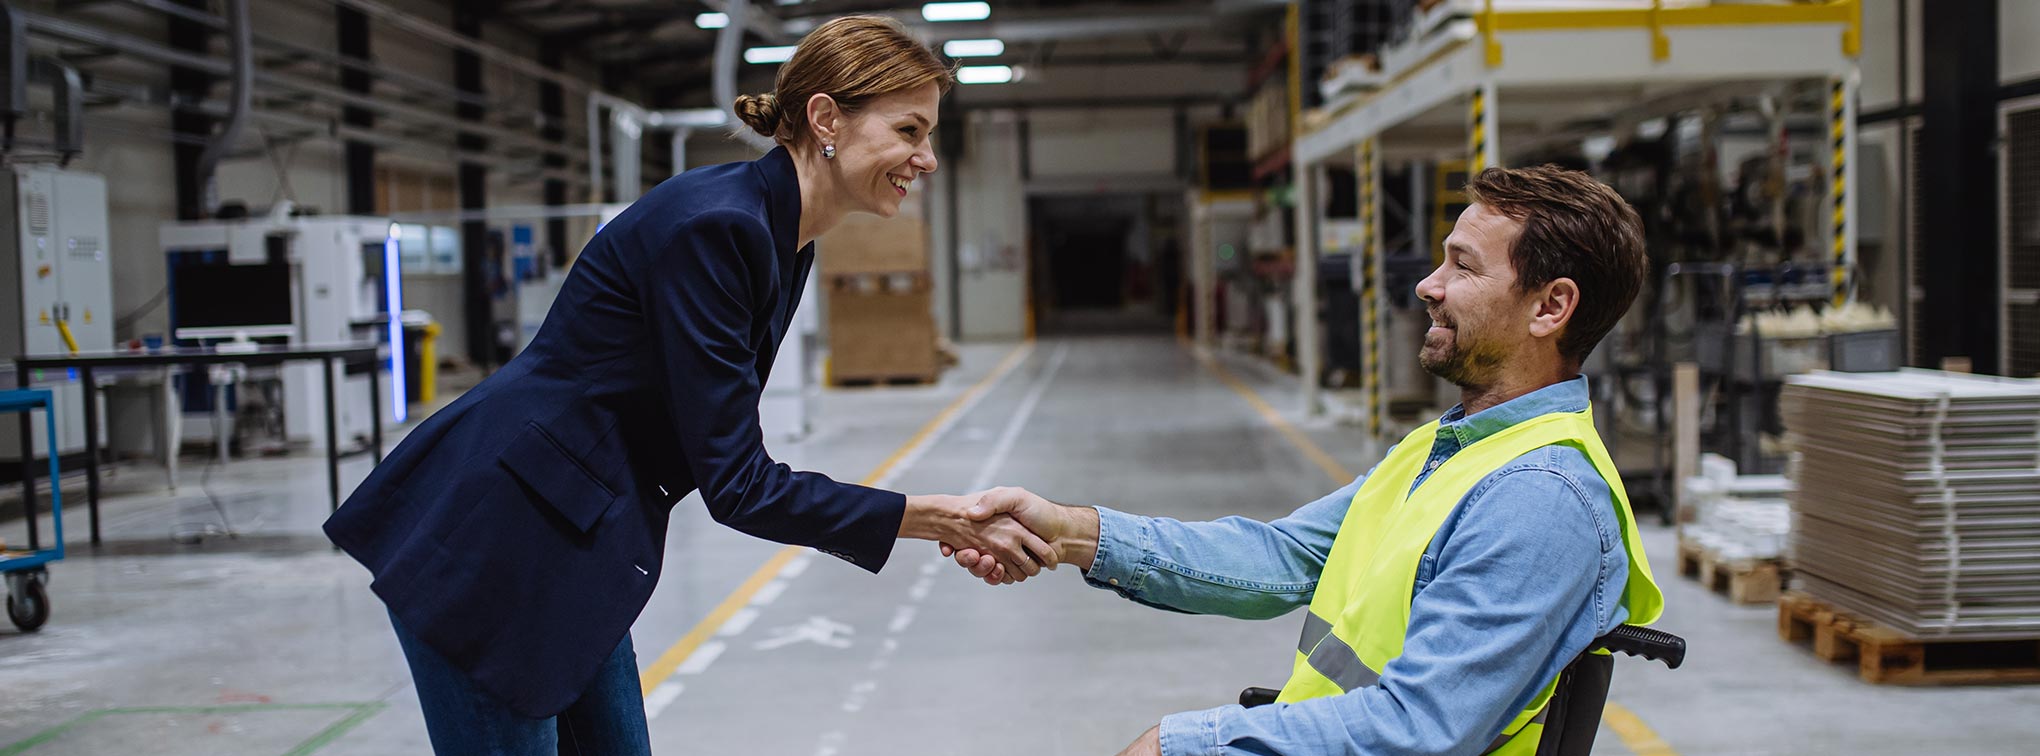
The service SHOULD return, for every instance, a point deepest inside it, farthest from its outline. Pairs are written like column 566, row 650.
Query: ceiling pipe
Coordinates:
column 729, row 42
column 68, row 90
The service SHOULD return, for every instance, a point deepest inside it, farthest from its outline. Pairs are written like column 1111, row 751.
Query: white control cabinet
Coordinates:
column 61, row 278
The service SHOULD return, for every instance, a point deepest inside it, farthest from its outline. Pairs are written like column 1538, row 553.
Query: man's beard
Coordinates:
column 1466, row 365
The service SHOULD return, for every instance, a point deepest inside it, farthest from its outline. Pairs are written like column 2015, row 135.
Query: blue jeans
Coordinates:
column 609, row 719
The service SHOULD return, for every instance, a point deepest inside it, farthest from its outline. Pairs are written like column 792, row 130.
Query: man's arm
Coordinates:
column 1512, row 602
column 1235, row 566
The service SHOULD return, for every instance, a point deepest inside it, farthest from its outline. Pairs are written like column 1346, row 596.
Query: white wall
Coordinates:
column 992, row 231
column 1101, row 143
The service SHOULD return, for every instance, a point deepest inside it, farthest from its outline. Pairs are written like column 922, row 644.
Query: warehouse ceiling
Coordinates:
column 658, row 46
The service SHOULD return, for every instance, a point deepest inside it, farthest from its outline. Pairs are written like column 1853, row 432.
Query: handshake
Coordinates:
column 1004, row 535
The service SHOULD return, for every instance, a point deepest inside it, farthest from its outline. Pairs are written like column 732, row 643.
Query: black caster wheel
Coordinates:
column 28, row 605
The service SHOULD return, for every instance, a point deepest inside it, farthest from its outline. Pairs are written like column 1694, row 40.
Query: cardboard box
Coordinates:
column 882, row 335
column 870, row 244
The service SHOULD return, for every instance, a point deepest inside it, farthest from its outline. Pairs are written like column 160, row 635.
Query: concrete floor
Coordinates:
column 270, row 643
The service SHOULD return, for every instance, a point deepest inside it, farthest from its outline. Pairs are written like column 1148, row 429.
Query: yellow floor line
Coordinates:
column 1636, row 735
column 674, row 656
column 1641, row 740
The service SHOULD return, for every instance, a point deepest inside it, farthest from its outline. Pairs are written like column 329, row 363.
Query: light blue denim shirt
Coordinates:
column 1525, row 572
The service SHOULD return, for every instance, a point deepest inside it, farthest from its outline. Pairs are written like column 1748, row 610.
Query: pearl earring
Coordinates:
column 829, row 151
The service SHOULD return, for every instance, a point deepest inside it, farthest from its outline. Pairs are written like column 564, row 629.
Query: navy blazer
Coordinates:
column 519, row 531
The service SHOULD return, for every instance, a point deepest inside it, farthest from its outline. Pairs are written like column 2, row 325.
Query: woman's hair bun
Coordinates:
column 760, row 112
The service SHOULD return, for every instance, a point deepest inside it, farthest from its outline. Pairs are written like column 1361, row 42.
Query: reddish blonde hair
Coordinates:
column 852, row 60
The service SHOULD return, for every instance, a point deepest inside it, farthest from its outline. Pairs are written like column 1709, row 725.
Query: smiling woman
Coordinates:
column 862, row 94
column 517, row 533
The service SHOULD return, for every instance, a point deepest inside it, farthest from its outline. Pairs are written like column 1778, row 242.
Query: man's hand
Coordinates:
column 1071, row 531
column 1149, row 744
column 1015, row 553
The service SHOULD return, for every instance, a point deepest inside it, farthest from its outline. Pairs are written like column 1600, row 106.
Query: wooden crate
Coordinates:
column 870, row 244
column 882, row 336
column 1886, row 656
column 1743, row 581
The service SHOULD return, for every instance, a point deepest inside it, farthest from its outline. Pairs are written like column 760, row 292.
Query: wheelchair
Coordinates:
column 1582, row 691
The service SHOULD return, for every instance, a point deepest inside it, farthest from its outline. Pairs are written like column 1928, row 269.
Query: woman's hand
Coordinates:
column 946, row 519
column 1071, row 531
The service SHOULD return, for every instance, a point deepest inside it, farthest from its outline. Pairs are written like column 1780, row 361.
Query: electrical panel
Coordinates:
column 61, row 281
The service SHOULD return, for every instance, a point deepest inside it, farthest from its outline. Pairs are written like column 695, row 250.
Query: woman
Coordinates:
column 517, row 533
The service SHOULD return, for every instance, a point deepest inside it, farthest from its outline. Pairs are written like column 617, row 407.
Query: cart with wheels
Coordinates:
column 26, row 572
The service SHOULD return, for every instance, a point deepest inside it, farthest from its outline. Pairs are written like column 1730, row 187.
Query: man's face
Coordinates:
column 1478, row 319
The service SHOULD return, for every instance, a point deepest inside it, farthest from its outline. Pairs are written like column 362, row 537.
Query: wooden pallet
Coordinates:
column 1886, row 656
column 1743, row 581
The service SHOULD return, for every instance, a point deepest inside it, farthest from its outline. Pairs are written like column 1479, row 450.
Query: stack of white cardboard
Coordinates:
column 1737, row 516
column 1918, row 499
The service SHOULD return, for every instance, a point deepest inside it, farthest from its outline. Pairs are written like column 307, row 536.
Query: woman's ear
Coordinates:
column 824, row 119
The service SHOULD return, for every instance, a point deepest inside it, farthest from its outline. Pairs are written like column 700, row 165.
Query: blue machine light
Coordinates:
column 393, row 290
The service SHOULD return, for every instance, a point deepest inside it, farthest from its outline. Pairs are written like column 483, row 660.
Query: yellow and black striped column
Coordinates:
column 1842, row 146
column 1481, row 139
column 1368, row 167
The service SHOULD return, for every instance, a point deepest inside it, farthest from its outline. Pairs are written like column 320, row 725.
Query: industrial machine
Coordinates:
column 312, row 280
column 60, row 287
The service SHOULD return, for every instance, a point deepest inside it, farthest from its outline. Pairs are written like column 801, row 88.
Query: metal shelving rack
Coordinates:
column 1478, row 65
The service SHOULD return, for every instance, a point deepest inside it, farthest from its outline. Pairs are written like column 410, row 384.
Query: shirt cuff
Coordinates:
column 1122, row 545
column 1190, row 733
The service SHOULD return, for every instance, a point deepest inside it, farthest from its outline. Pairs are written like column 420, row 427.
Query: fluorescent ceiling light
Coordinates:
column 768, row 54
column 956, row 11
column 984, row 74
column 712, row 20
column 973, row 48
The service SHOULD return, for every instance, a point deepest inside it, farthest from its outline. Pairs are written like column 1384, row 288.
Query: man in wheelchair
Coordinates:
column 1451, row 587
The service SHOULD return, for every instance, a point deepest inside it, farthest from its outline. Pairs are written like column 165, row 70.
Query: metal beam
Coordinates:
column 552, row 102
column 469, row 43
column 210, row 66
column 476, row 305
column 1959, row 197
column 351, row 28
column 188, row 41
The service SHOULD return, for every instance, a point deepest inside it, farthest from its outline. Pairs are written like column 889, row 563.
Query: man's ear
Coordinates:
column 1553, row 307
column 824, row 118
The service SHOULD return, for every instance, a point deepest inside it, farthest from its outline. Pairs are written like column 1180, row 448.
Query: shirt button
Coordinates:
column 1114, row 581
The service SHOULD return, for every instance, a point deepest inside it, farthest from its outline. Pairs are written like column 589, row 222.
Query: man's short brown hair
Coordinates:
column 1573, row 227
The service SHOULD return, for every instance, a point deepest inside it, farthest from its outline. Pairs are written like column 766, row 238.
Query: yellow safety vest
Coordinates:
column 1361, row 610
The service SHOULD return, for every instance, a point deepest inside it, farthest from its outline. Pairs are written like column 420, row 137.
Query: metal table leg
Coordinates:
column 28, row 466
column 375, row 409
column 91, row 449
column 332, row 440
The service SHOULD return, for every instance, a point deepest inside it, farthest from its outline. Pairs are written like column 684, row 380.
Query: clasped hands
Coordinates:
column 1003, row 535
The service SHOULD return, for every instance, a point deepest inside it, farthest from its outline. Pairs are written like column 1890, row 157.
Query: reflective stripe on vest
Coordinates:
column 1360, row 612
column 1331, row 657
column 1335, row 660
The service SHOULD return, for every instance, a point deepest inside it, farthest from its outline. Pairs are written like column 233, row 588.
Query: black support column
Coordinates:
column 353, row 43
column 1959, row 196
column 474, row 178
column 552, row 103
column 190, row 88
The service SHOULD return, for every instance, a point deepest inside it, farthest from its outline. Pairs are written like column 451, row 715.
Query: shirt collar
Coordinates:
column 1564, row 396
column 782, row 188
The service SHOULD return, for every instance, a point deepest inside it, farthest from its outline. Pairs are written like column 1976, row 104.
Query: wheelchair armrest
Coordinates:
column 1253, row 697
column 1655, row 645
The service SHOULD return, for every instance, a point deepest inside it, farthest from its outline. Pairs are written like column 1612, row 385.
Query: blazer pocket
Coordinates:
column 558, row 477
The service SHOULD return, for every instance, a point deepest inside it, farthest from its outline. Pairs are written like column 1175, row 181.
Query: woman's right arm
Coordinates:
column 697, row 296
